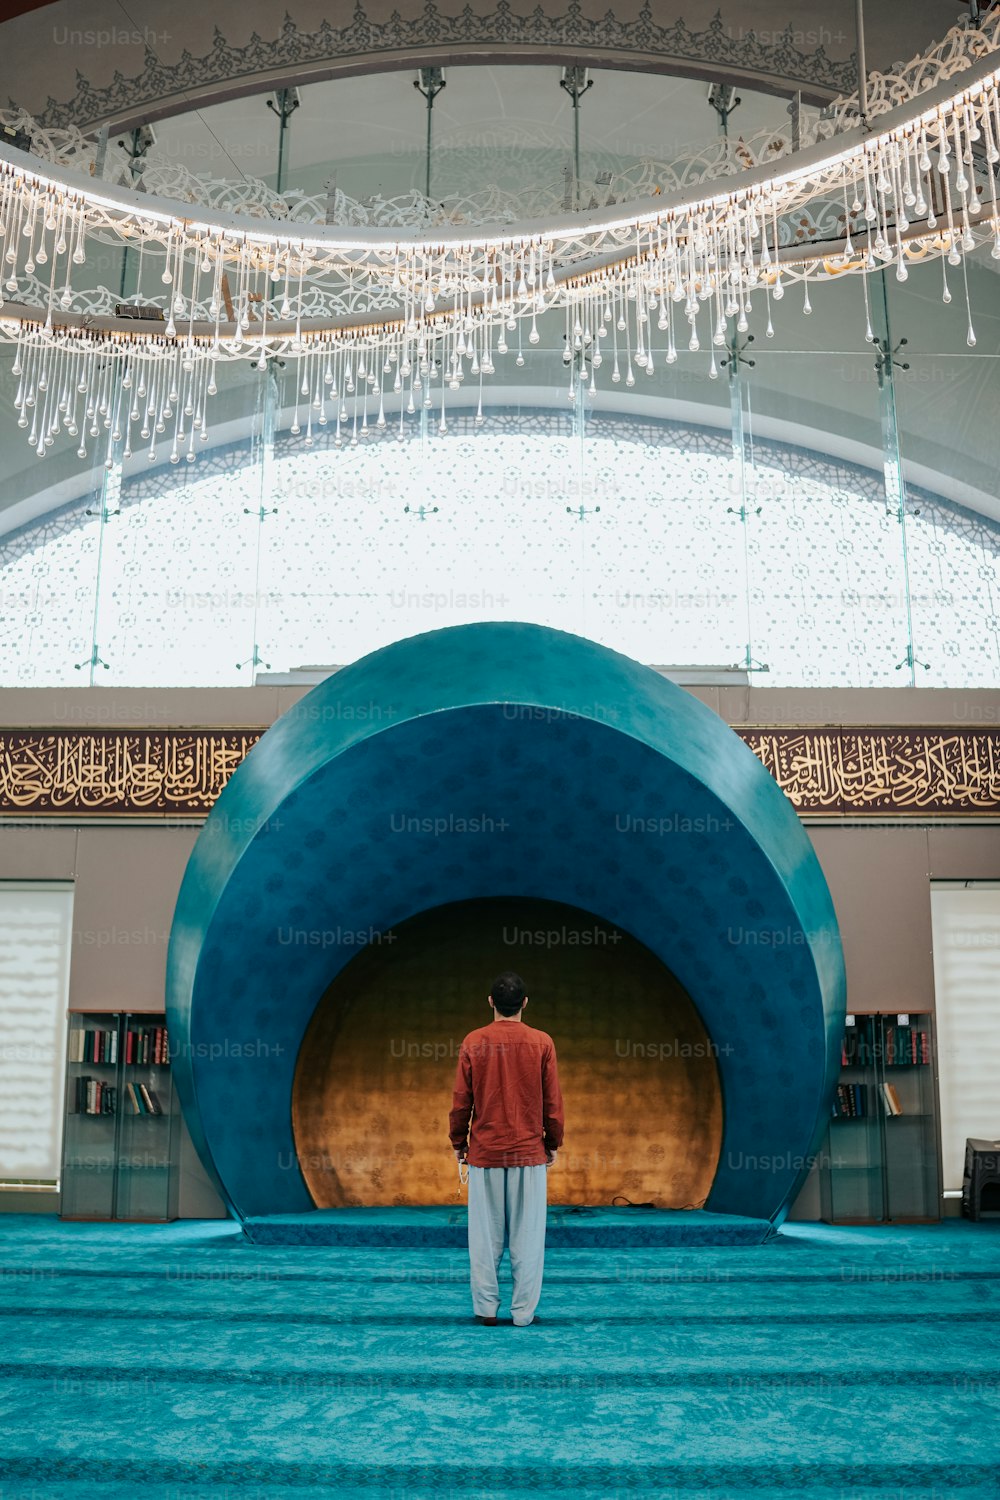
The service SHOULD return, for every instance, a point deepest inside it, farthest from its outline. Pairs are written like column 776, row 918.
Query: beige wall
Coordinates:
column 127, row 875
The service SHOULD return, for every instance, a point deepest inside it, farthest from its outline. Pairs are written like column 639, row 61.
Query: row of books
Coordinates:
column 99, row 1045
column 852, row 1101
column 903, row 1046
column 890, row 1100
column 142, row 1100
column 95, row 1097
column 906, row 1044
column 147, row 1044
column 144, row 1045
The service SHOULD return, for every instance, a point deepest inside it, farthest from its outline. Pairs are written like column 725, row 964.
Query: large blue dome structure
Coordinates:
column 598, row 784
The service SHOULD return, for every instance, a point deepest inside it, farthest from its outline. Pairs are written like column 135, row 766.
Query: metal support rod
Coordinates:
column 859, row 12
column 795, row 113
column 284, row 104
column 576, row 82
column 429, row 82
column 886, row 365
column 723, row 99
column 139, row 141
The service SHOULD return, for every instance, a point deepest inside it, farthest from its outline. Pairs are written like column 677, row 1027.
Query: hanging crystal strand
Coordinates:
column 411, row 405
column 970, row 337
column 901, row 223
column 213, row 253
column 324, row 379
column 442, row 423
column 185, row 405
column 13, row 248
column 963, row 185
column 61, row 412
column 354, row 422
column 75, row 364
column 506, row 303
column 380, row 389
column 147, row 396
column 297, row 340
column 650, row 366
column 341, row 413
column 82, row 388
column 265, row 304
column 8, row 209
column 166, row 393
column 961, row 181
column 167, row 274
column 130, row 383
column 31, row 397
column 909, row 146
column 951, row 234
column 869, row 331
column 196, row 275
column 668, row 303
column 94, row 393
column 399, row 386
column 67, row 379
column 102, row 409
column 629, row 372
column 151, row 414
column 28, row 232
column 198, row 425
column 175, row 407
column 190, row 408
column 45, row 417
column 364, row 385
column 599, row 330
column 240, row 316
column 309, row 383
column 20, row 369
column 778, row 288
column 479, row 419
column 296, row 426
column 992, row 157
column 616, row 327
column 114, row 414
column 73, row 361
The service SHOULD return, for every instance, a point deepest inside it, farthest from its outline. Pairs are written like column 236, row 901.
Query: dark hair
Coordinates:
column 507, row 993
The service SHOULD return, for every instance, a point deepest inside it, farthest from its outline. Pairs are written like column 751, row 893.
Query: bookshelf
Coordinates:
column 122, row 1125
column 880, row 1160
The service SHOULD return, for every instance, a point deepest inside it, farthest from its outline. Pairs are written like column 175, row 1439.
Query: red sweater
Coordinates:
column 507, row 1085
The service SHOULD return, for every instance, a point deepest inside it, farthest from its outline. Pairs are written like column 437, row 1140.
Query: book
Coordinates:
column 890, row 1100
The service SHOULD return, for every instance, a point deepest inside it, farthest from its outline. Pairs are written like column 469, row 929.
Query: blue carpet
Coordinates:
column 567, row 1228
column 180, row 1361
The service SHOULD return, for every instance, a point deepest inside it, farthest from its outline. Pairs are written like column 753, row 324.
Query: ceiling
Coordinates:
column 505, row 123
column 88, row 62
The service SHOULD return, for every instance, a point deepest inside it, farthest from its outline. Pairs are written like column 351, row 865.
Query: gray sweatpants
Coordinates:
column 507, row 1204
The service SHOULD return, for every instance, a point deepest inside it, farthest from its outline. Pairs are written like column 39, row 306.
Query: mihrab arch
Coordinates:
column 617, row 793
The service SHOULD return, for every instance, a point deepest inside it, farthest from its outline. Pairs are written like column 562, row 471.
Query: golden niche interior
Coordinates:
column 374, row 1075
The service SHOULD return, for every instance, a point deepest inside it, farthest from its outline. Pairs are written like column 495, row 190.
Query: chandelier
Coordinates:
column 377, row 320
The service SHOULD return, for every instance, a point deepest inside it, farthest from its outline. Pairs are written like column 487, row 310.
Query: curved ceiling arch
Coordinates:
column 107, row 71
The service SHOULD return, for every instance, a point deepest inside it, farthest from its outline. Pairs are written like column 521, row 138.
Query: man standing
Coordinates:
column 507, row 1086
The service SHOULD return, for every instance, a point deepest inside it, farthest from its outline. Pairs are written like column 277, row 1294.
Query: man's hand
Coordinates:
column 460, row 1157
column 550, row 1158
